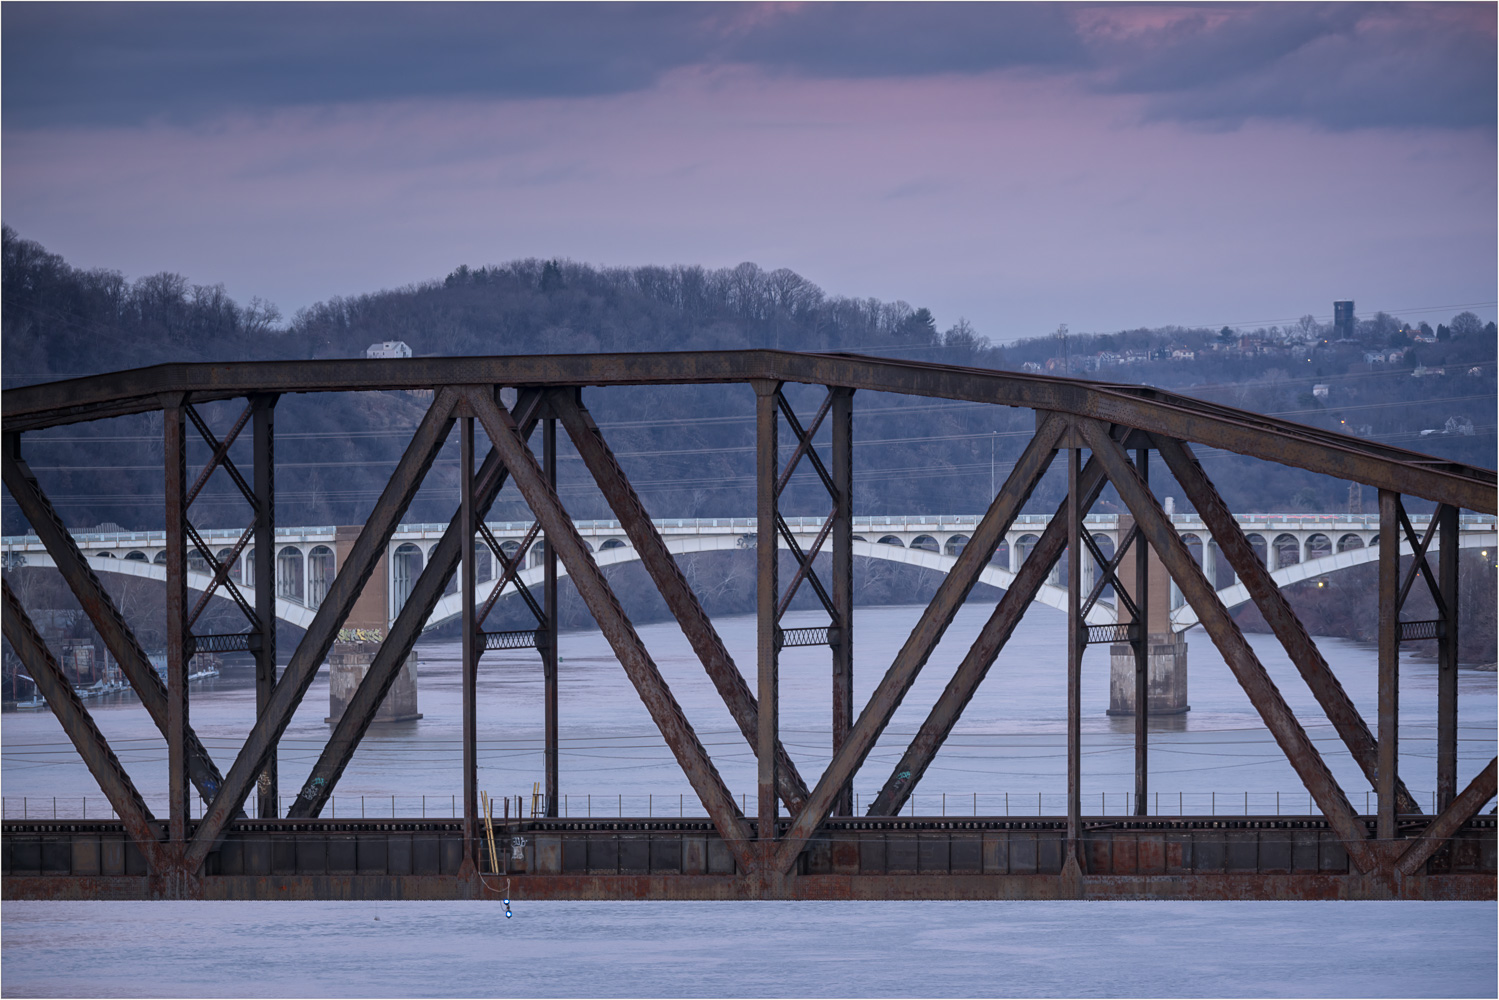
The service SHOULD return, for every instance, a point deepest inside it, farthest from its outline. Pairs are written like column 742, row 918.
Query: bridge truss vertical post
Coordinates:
column 1447, row 650
column 472, row 647
column 1076, row 645
column 174, row 445
column 767, row 474
column 843, row 582
column 547, row 646
column 1140, row 640
column 1389, row 661
column 264, row 570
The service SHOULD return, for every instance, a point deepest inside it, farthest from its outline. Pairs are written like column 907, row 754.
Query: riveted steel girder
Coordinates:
column 1139, row 407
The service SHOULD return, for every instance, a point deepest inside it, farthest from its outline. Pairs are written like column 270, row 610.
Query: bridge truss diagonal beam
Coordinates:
column 1236, row 651
column 986, row 648
column 673, row 586
column 955, row 587
column 310, row 653
column 1464, row 807
column 1272, row 604
column 362, row 707
column 596, row 593
column 102, row 612
column 76, row 721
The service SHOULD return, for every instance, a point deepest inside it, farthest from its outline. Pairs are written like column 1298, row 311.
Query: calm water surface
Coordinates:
column 1008, row 749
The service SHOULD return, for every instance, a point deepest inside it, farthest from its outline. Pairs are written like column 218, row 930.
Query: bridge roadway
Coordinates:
column 906, row 857
column 1295, row 547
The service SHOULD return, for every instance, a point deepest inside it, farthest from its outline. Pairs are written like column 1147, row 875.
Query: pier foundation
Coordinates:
column 1167, row 661
column 349, row 662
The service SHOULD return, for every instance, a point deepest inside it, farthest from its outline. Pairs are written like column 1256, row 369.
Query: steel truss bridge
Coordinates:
column 801, row 840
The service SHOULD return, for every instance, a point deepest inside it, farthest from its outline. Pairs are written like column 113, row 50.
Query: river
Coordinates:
column 1008, row 750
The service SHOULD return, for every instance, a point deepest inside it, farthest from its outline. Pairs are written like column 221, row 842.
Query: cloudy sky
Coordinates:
column 1020, row 165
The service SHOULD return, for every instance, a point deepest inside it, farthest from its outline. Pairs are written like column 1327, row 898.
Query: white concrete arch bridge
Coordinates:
column 1295, row 547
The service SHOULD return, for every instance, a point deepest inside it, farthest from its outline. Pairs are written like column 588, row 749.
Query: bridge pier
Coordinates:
column 348, row 663
column 359, row 640
column 1167, row 653
column 1167, row 676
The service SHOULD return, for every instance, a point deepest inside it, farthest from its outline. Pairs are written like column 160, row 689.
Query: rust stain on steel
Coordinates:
column 1447, row 651
column 843, row 582
column 1389, row 662
column 954, row 588
column 174, row 447
column 675, row 591
column 1463, row 808
column 541, row 888
column 1148, row 409
column 616, row 627
column 1272, row 604
column 1224, row 632
column 767, row 648
column 267, row 785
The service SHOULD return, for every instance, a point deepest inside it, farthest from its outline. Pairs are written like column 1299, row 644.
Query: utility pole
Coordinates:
column 1066, row 353
column 992, row 436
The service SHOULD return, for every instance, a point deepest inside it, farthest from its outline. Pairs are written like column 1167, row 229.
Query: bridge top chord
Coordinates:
column 1142, row 407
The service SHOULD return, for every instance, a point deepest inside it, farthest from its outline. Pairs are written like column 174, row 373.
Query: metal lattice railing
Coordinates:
column 1108, row 633
column 1420, row 630
column 803, row 637
column 238, row 642
column 523, row 639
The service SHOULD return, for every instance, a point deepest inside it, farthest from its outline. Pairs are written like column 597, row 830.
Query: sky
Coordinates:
column 1017, row 165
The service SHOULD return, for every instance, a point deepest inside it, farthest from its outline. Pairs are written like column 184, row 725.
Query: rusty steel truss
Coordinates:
column 816, row 848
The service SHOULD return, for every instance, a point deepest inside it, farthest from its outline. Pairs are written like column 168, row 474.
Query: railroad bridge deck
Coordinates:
column 911, row 857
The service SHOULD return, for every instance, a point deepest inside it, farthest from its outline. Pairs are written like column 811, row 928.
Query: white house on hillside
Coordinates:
column 388, row 349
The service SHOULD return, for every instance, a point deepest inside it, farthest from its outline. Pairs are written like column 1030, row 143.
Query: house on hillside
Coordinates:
column 388, row 349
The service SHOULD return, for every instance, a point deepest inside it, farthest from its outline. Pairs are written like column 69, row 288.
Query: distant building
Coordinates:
column 388, row 349
column 1320, row 390
column 1342, row 319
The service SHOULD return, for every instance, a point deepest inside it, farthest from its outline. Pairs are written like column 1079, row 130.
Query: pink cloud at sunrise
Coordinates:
column 1104, row 195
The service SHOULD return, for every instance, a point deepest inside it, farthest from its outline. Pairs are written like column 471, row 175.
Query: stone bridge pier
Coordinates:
column 359, row 640
column 1167, row 654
